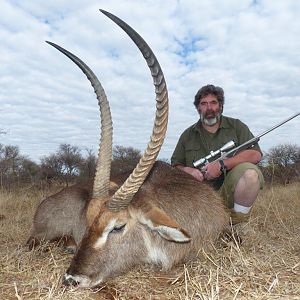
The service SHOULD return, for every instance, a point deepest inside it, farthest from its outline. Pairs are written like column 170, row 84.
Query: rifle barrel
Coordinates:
column 245, row 145
column 255, row 139
column 278, row 125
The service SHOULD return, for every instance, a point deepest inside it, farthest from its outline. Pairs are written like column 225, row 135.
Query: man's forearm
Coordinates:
column 180, row 167
column 196, row 173
column 252, row 156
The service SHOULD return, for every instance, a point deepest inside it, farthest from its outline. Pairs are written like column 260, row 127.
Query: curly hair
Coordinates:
column 209, row 90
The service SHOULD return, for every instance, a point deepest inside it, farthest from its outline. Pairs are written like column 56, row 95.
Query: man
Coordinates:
column 238, row 178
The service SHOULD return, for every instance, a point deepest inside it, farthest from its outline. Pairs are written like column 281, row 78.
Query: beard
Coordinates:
column 210, row 118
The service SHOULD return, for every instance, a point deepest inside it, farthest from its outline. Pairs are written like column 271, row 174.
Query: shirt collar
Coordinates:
column 224, row 122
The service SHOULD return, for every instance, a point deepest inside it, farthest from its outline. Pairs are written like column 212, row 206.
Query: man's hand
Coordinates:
column 196, row 173
column 212, row 170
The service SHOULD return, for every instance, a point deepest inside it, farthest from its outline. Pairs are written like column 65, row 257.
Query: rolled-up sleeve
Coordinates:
column 178, row 156
column 244, row 135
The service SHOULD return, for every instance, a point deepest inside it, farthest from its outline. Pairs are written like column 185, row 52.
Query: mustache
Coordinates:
column 212, row 113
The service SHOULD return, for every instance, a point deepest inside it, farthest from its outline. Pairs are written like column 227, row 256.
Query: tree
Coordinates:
column 88, row 165
column 9, row 160
column 283, row 162
column 29, row 171
column 63, row 165
column 51, row 168
column 15, row 169
column 71, row 160
column 284, row 155
column 124, row 159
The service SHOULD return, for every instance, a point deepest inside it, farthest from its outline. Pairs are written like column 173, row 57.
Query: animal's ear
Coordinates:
column 157, row 220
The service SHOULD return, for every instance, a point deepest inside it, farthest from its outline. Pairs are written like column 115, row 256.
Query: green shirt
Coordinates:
column 196, row 142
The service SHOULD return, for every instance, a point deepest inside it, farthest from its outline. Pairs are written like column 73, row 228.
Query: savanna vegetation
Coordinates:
column 70, row 164
column 266, row 265
column 66, row 166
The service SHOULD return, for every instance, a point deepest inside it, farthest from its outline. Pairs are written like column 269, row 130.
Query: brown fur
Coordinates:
column 60, row 215
column 168, row 199
column 64, row 213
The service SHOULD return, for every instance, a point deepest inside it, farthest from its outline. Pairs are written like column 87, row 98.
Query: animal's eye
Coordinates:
column 118, row 229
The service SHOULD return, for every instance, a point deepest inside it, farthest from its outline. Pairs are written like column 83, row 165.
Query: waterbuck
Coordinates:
column 160, row 215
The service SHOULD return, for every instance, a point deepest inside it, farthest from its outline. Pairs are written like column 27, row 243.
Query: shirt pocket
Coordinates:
column 192, row 154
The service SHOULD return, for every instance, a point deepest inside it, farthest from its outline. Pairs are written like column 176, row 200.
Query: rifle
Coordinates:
column 225, row 152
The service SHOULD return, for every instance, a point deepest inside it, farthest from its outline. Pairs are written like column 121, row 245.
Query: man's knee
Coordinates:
column 251, row 177
column 234, row 183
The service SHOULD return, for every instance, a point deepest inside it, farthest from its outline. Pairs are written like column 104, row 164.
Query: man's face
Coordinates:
column 209, row 110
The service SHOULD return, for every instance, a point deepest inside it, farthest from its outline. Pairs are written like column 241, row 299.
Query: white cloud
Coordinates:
column 250, row 48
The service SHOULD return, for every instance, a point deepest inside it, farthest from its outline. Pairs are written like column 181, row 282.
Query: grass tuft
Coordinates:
column 265, row 266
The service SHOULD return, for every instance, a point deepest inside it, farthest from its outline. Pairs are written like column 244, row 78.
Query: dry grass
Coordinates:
column 265, row 266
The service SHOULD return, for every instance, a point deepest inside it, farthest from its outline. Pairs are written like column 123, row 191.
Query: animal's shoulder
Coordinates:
column 120, row 177
column 163, row 174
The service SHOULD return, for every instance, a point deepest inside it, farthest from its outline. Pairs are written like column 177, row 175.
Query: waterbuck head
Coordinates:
column 117, row 241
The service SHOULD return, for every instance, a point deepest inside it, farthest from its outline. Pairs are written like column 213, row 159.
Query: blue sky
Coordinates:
column 250, row 48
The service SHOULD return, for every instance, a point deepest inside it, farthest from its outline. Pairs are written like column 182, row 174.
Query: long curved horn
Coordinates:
column 125, row 193
column 103, row 166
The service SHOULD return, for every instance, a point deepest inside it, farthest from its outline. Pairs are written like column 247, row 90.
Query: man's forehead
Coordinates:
column 209, row 97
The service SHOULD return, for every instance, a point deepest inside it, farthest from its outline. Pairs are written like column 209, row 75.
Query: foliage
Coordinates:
column 70, row 163
column 15, row 168
column 282, row 164
column 124, row 159
column 88, row 166
column 64, row 165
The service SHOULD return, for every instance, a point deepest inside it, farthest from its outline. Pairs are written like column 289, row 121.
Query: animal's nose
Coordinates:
column 68, row 280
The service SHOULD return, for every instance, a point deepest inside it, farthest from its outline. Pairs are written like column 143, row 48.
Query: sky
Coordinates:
column 249, row 48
